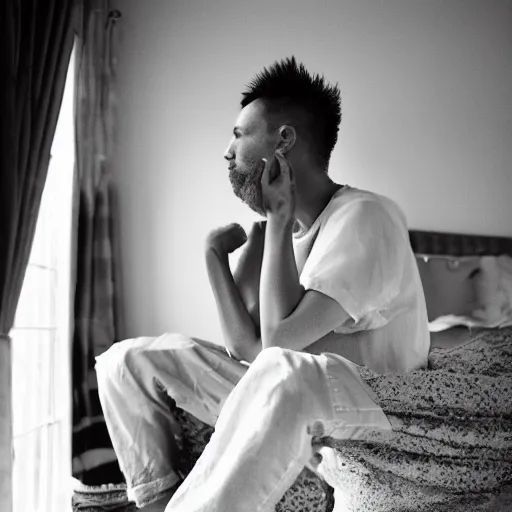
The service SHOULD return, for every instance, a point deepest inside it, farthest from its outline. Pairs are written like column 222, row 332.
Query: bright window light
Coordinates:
column 41, row 339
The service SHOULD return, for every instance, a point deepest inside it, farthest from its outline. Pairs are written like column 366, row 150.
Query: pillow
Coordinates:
column 452, row 337
column 473, row 291
column 493, row 291
column 448, row 284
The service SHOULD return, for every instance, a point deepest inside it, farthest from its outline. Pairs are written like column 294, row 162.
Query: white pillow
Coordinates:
column 493, row 290
column 492, row 307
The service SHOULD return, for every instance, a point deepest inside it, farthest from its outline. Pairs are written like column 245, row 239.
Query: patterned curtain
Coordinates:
column 36, row 44
column 94, row 460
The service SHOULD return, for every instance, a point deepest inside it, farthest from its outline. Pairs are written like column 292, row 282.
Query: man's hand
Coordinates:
column 226, row 239
column 278, row 188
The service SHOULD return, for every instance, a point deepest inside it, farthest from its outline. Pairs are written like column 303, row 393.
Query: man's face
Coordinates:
column 250, row 143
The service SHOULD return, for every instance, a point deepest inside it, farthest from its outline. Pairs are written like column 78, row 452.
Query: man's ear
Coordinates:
column 287, row 138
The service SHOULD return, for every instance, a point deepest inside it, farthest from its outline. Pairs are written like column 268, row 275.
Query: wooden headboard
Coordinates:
column 447, row 263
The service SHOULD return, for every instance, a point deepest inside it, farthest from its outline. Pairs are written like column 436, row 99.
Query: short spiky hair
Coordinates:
column 287, row 85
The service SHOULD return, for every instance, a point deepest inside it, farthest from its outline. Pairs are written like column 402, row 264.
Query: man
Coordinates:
column 328, row 281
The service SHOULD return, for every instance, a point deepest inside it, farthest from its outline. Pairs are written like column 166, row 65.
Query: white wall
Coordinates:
column 426, row 120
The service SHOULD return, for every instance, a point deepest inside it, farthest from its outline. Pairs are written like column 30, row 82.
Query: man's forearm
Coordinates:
column 280, row 289
column 240, row 332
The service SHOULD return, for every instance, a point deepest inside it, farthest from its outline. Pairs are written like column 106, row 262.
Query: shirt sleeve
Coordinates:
column 358, row 260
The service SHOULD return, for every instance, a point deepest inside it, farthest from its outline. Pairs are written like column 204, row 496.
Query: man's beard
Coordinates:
column 247, row 187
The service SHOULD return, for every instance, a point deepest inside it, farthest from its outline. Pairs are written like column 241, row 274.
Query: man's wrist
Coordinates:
column 278, row 224
column 215, row 260
column 216, row 254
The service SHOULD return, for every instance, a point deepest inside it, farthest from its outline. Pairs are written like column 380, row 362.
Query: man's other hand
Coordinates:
column 226, row 239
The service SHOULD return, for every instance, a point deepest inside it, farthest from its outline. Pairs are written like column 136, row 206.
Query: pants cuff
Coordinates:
column 147, row 493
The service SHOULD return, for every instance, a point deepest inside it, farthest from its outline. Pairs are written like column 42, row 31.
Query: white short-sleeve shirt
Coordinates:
column 358, row 253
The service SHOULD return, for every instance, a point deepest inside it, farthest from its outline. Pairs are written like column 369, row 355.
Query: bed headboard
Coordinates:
column 453, row 244
column 447, row 263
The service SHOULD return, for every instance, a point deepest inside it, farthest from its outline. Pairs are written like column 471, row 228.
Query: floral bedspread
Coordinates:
column 451, row 444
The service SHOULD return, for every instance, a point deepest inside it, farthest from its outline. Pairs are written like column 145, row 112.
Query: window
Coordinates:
column 41, row 339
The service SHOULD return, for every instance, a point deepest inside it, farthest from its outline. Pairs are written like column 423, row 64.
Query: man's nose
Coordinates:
column 228, row 155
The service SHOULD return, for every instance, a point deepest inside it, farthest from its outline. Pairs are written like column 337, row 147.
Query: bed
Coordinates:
column 449, row 265
column 451, row 446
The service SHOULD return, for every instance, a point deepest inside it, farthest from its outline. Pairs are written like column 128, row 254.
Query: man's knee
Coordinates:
column 276, row 358
column 274, row 370
column 119, row 357
column 142, row 358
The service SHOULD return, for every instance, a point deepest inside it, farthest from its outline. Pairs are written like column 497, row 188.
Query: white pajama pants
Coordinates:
column 265, row 417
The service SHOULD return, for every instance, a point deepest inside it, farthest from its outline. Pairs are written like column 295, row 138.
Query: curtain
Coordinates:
column 37, row 39
column 94, row 460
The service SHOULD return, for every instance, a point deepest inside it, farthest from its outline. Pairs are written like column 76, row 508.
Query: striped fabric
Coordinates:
column 94, row 459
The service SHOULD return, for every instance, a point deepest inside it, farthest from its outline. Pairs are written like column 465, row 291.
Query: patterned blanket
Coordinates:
column 450, row 448
column 451, row 444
